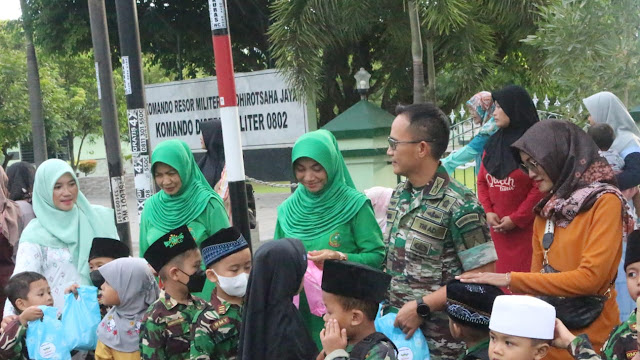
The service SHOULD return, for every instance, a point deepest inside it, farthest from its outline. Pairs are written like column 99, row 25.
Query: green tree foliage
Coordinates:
column 589, row 46
column 14, row 100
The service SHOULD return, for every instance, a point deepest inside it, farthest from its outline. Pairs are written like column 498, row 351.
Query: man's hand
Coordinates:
column 408, row 319
column 332, row 337
column 29, row 314
column 562, row 337
column 493, row 219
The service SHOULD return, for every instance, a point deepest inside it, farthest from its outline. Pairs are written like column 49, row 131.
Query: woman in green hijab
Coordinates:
column 185, row 198
column 56, row 243
column 326, row 212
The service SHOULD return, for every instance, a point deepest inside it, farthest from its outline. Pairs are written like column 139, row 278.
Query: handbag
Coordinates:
column 576, row 312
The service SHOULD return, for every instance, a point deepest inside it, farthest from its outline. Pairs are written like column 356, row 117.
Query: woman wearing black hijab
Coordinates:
column 272, row 327
column 212, row 164
column 507, row 194
column 21, row 176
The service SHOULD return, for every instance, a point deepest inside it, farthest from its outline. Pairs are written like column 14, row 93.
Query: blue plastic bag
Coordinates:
column 415, row 348
column 46, row 339
column 81, row 317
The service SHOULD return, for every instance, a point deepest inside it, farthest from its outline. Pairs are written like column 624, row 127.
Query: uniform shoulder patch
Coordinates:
column 474, row 238
column 466, row 219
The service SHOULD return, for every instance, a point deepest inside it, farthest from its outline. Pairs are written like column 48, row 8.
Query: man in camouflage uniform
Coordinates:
column 216, row 332
column 436, row 229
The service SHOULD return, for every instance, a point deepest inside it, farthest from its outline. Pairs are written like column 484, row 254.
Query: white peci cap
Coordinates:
column 524, row 316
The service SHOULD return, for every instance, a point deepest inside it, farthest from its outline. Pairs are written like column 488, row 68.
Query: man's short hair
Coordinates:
column 427, row 122
column 602, row 134
column 369, row 308
column 19, row 284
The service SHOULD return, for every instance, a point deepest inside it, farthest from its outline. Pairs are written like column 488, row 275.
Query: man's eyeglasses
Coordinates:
column 393, row 143
column 529, row 165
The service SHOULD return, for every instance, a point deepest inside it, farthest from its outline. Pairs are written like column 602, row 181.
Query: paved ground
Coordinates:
column 96, row 189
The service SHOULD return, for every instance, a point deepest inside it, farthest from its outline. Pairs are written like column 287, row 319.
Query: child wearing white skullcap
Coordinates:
column 521, row 328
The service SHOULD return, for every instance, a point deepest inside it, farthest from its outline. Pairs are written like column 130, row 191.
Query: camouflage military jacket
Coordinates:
column 165, row 331
column 12, row 342
column 434, row 234
column 380, row 351
column 581, row 349
column 622, row 343
column 216, row 331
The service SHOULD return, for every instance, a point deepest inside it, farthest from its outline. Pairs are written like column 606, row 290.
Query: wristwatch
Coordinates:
column 423, row 309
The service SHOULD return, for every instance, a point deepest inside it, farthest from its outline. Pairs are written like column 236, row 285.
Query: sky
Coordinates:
column 9, row 9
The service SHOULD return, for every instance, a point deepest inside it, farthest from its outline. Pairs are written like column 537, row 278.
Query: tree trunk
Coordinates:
column 416, row 54
column 35, row 94
column 7, row 157
column 431, row 72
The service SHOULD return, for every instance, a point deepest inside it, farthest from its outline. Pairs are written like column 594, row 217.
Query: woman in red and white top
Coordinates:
column 507, row 194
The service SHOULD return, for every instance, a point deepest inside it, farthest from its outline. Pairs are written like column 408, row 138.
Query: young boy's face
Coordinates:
column 95, row 263
column 109, row 296
column 633, row 279
column 335, row 311
column 232, row 266
column 39, row 294
column 508, row 347
column 191, row 263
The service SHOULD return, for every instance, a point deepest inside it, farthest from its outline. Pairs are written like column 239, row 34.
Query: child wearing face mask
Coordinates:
column 166, row 326
column 216, row 331
column 128, row 286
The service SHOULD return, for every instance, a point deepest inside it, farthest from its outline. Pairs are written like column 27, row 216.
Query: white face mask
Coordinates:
column 234, row 286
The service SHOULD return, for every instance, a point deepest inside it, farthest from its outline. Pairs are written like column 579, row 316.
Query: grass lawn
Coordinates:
column 467, row 177
column 264, row 189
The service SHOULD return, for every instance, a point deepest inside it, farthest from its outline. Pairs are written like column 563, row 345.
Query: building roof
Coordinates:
column 362, row 120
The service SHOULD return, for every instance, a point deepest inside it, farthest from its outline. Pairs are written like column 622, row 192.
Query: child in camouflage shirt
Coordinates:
column 165, row 332
column 351, row 293
column 622, row 343
column 216, row 331
column 26, row 291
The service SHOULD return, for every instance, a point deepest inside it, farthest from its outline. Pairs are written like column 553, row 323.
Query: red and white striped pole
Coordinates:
column 229, row 116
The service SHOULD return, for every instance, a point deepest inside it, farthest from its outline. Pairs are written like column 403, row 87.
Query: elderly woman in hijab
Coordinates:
column 582, row 219
column 185, row 198
column 332, row 218
column 57, row 242
column 10, row 228
column 605, row 107
column 272, row 327
column 507, row 194
column 481, row 108
column 21, row 176
column 213, row 167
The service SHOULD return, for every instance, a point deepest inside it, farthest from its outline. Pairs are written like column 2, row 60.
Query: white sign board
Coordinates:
column 270, row 114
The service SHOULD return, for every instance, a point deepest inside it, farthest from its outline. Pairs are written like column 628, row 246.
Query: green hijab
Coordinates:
column 307, row 215
column 167, row 212
column 74, row 229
